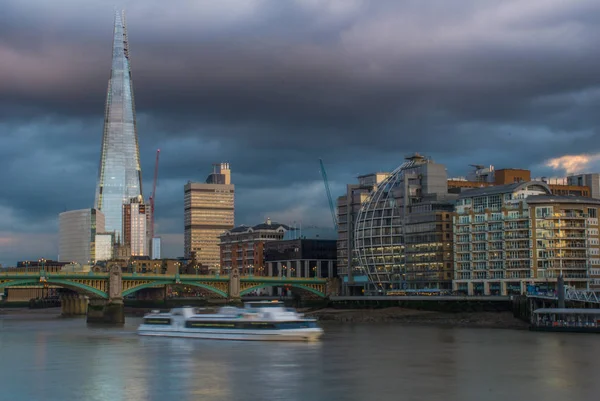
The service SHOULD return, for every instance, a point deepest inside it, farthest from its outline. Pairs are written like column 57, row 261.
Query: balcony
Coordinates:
column 565, row 266
column 518, row 275
column 510, row 236
column 566, row 275
column 569, row 215
column 518, row 266
column 570, row 226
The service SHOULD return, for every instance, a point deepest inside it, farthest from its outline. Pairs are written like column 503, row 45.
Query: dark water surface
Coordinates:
column 43, row 357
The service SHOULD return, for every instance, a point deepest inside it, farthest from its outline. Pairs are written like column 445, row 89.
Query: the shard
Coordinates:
column 120, row 175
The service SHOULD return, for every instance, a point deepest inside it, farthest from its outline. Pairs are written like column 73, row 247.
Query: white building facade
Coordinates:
column 77, row 235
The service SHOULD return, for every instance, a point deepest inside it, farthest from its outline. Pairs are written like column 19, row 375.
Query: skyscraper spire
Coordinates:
column 120, row 174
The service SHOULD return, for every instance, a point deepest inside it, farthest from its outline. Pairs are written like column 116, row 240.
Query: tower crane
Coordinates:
column 331, row 206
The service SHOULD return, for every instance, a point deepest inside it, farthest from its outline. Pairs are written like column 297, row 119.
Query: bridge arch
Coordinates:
column 71, row 285
column 172, row 282
column 293, row 285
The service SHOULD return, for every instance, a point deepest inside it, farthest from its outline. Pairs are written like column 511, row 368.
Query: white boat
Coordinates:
column 258, row 321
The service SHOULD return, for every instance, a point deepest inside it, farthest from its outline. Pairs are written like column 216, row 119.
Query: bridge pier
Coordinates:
column 111, row 311
column 73, row 304
column 103, row 311
column 233, row 295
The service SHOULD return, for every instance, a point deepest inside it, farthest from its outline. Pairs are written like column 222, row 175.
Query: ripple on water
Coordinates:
column 64, row 359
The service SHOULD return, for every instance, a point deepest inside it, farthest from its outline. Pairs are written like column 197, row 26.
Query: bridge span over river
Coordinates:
column 102, row 290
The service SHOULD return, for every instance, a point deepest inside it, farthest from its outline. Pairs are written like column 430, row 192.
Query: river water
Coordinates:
column 45, row 357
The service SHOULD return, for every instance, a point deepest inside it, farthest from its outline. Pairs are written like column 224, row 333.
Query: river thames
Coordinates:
column 45, row 357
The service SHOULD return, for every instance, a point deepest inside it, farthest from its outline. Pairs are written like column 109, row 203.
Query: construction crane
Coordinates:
column 331, row 206
column 153, row 196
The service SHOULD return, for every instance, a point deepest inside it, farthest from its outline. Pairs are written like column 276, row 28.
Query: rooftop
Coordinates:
column 562, row 199
column 503, row 189
column 267, row 225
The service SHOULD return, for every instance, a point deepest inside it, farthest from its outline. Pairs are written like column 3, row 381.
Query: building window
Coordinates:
column 593, row 212
column 543, row 212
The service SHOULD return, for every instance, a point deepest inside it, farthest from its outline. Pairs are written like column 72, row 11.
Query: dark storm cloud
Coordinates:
column 271, row 86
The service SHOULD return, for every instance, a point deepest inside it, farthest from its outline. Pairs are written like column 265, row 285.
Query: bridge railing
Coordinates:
column 134, row 275
column 45, row 273
column 275, row 278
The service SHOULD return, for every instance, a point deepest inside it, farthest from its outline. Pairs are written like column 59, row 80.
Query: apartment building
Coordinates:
column 512, row 235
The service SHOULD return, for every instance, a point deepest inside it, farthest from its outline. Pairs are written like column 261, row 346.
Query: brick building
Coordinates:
column 243, row 246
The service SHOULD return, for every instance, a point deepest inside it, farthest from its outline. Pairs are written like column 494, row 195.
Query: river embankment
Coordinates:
column 503, row 320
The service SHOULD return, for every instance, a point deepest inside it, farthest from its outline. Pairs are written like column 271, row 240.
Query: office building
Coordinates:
column 243, row 247
column 120, row 174
column 208, row 213
column 401, row 239
column 512, row 235
column 301, row 258
column 353, row 276
column 105, row 244
column 591, row 181
column 77, row 235
column 156, row 248
column 134, row 226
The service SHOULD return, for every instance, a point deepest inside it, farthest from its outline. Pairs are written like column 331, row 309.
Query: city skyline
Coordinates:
column 323, row 81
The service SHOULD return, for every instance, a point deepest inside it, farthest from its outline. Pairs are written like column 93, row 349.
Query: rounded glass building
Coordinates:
column 381, row 225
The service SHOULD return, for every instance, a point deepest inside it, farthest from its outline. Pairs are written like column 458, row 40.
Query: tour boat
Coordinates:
column 261, row 321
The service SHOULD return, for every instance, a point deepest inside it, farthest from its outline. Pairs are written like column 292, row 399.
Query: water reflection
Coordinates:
column 58, row 359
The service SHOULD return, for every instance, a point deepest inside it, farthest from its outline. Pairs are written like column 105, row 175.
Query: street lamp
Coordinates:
column 42, row 262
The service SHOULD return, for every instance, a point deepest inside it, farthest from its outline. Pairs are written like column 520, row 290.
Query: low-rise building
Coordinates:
column 243, row 247
column 301, row 258
column 512, row 235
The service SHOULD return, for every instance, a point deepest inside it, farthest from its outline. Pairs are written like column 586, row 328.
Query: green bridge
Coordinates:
column 96, row 285
column 100, row 294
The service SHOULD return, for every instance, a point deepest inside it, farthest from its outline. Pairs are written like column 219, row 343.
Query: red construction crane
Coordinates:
column 153, row 196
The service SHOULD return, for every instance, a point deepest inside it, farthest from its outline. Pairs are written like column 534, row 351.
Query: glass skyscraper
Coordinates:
column 120, row 175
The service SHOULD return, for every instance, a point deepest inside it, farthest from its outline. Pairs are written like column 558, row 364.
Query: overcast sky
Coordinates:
column 272, row 85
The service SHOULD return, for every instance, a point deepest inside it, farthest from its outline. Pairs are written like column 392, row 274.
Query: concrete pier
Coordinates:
column 73, row 304
column 106, row 312
column 111, row 311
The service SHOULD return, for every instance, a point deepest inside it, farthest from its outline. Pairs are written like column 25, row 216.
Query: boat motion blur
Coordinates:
column 256, row 321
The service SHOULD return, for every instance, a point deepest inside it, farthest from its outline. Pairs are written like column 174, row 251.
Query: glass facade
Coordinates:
column 402, row 235
column 120, row 175
column 77, row 233
column 104, row 246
